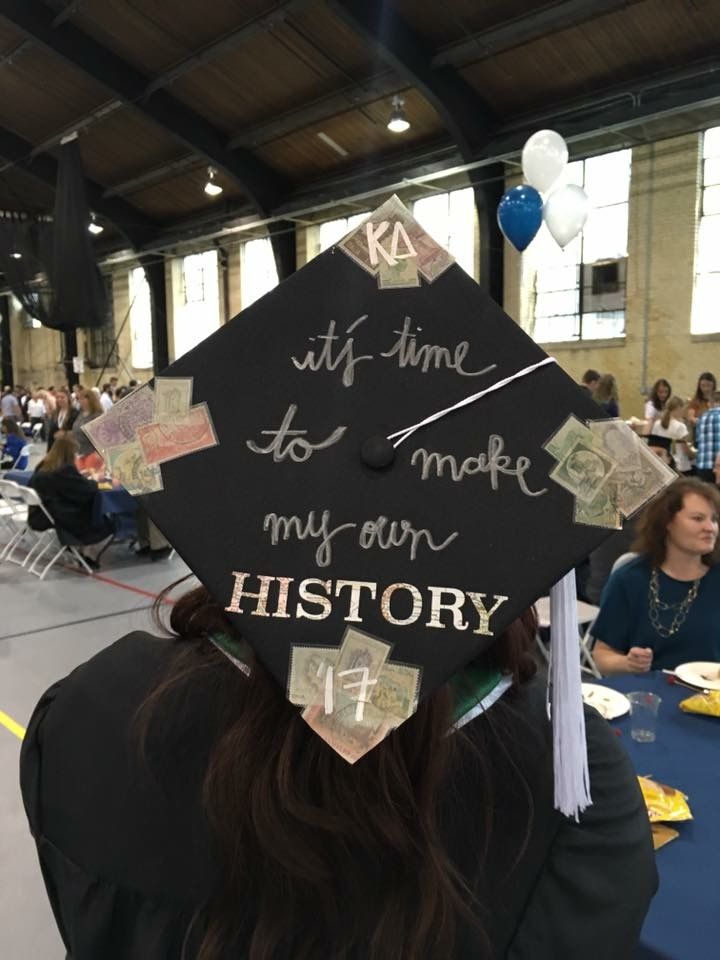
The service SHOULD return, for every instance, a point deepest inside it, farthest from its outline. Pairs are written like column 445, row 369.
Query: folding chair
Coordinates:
column 14, row 515
column 24, row 452
column 586, row 614
column 587, row 641
column 44, row 540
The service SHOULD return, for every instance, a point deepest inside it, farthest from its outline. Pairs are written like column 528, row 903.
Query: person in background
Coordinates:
column 670, row 430
column 14, row 440
column 69, row 499
column 590, row 381
column 122, row 392
column 150, row 541
column 63, row 417
column 48, row 398
column 132, row 384
column 707, row 440
column 662, row 608
column 9, row 405
column 655, row 403
column 88, row 459
column 113, row 387
column 703, row 399
column 606, row 395
column 106, row 397
column 36, row 410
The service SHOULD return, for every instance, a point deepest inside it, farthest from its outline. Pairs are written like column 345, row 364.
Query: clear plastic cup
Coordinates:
column 643, row 715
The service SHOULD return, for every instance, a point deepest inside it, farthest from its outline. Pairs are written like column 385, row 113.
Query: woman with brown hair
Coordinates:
column 243, row 835
column 606, row 394
column 663, row 607
column 701, row 402
column 88, row 460
column 69, row 498
column 669, row 437
column 63, row 417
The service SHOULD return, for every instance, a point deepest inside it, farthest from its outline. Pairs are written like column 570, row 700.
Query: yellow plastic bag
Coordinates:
column 707, row 703
column 664, row 804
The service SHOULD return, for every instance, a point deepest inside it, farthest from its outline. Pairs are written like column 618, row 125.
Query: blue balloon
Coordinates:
column 520, row 214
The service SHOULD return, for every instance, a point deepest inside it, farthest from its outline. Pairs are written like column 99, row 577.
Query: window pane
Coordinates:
column 332, row 231
column 603, row 326
column 557, row 303
column 258, row 273
column 141, row 351
column 711, row 142
column 556, row 329
column 607, row 178
column 433, row 215
column 196, row 310
column 461, row 242
column 711, row 171
column 708, row 249
column 563, row 277
column 606, row 233
column 711, row 200
column 705, row 313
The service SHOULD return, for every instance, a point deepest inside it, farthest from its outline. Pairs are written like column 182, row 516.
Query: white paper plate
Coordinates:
column 608, row 703
column 700, row 674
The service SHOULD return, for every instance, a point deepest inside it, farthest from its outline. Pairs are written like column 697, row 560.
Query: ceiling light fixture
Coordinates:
column 212, row 189
column 16, row 255
column 94, row 227
column 398, row 122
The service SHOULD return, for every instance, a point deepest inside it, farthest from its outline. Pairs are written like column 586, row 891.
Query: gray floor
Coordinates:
column 46, row 629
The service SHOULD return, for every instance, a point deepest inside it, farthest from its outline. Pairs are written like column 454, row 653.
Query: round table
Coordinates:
column 684, row 918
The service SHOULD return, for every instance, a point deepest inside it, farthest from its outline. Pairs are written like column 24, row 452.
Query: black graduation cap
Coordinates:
column 364, row 561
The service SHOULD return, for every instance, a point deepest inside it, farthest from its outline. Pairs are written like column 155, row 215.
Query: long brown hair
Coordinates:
column 61, row 454
column 672, row 403
column 652, row 526
column 606, row 389
column 93, row 401
column 337, row 860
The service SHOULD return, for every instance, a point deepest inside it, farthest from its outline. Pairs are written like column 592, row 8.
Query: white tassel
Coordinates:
column 572, row 777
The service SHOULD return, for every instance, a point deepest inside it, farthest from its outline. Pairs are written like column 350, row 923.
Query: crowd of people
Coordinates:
column 682, row 431
column 66, row 477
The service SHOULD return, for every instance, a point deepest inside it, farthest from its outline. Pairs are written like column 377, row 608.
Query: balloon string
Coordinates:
column 408, row 431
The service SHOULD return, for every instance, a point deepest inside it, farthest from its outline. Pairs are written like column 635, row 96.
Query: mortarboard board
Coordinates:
column 375, row 471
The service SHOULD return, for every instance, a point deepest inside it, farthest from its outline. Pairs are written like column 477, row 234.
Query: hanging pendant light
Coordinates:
column 94, row 227
column 212, row 189
column 398, row 122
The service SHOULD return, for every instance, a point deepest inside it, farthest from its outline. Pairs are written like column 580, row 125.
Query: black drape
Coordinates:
column 55, row 278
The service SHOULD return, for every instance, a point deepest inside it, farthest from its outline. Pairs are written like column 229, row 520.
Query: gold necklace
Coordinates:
column 656, row 606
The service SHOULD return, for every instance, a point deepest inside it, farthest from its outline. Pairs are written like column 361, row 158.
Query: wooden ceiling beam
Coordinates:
column 540, row 22
column 263, row 185
column 466, row 116
column 136, row 227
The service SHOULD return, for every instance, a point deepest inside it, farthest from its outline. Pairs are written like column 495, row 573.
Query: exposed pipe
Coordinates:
column 644, row 385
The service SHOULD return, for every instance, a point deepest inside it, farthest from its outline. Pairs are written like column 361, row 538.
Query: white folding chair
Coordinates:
column 586, row 613
column 24, row 452
column 47, row 540
column 14, row 515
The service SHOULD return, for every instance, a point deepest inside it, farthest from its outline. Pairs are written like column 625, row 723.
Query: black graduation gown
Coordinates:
column 127, row 857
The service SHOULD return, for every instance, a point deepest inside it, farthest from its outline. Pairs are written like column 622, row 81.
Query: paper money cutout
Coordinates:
column 150, row 427
column 609, row 470
column 392, row 246
column 352, row 696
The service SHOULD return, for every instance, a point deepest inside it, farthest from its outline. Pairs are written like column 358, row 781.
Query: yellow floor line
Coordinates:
column 12, row 725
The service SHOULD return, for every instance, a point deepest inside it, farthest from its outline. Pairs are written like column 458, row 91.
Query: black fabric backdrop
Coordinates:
column 56, row 278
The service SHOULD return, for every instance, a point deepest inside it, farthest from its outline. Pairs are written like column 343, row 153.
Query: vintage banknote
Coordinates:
column 602, row 511
column 403, row 274
column 359, row 650
column 426, row 255
column 308, row 673
column 173, row 397
column 396, row 692
column 618, row 441
column 122, row 421
column 636, row 487
column 348, row 736
column 128, row 467
column 566, row 436
column 161, row 442
column 584, row 470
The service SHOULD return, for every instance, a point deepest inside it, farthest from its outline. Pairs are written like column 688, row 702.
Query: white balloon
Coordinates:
column 544, row 158
column 565, row 213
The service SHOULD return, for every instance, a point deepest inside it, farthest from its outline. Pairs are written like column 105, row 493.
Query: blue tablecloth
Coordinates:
column 117, row 504
column 684, row 919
